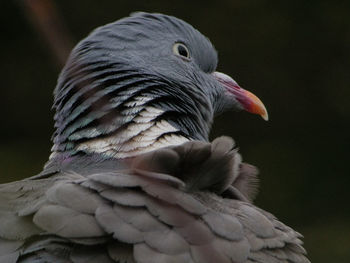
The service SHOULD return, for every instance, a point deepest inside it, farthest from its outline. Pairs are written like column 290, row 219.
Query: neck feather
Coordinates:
column 145, row 133
column 105, row 108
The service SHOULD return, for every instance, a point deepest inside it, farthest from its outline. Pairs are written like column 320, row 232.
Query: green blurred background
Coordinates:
column 295, row 55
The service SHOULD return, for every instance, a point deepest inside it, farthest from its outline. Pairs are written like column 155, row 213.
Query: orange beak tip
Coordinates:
column 265, row 116
column 255, row 105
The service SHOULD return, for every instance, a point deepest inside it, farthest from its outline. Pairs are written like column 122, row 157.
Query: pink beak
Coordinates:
column 248, row 100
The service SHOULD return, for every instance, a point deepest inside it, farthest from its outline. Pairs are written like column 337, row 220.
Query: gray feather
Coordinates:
column 15, row 227
column 145, row 254
column 88, row 255
column 9, row 258
column 121, row 252
column 113, row 224
column 155, row 217
column 66, row 222
column 207, row 254
column 124, row 196
column 224, row 225
column 139, row 218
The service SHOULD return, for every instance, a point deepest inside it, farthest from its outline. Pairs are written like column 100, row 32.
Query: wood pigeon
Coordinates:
column 132, row 176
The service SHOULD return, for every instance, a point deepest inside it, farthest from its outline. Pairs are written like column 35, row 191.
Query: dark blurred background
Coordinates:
column 295, row 55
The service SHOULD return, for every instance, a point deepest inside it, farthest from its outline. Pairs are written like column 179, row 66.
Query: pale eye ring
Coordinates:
column 180, row 49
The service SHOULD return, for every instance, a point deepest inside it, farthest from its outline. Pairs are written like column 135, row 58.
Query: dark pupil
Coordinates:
column 182, row 51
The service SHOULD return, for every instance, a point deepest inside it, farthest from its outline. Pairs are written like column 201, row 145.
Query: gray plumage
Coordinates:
column 132, row 176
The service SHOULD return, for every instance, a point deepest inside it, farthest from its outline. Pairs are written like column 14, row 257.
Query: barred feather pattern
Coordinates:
column 105, row 107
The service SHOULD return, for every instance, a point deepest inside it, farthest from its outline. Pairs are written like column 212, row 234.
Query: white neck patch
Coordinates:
column 142, row 135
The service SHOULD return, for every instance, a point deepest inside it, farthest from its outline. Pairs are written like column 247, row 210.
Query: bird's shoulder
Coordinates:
column 169, row 205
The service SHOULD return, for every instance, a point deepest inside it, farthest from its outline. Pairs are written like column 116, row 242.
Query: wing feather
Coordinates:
column 158, row 207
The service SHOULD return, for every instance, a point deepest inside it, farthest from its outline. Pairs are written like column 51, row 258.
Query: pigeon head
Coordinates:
column 140, row 83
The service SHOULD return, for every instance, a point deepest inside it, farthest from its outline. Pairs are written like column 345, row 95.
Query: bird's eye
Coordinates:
column 181, row 50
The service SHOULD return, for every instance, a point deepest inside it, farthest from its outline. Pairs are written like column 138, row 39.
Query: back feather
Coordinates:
column 163, row 206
